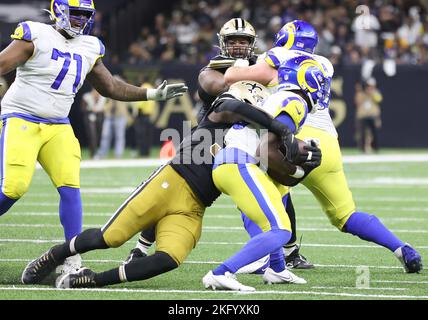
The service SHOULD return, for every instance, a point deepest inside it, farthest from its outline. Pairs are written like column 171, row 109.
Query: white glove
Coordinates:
column 241, row 63
column 165, row 92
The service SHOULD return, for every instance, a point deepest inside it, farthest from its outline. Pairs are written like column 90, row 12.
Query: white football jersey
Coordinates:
column 45, row 85
column 321, row 119
column 245, row 137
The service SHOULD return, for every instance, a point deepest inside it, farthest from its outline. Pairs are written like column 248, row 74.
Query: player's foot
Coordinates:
column 84, row 278
column 71, row 265
column 135, row 254
column 256, row 267
column 227, row 281
column 284, row 276
column 39, row 268
column 297, row 261
column 409, row 258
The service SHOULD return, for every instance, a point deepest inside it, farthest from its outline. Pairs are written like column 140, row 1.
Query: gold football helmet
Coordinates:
column 237, row 27
column 249, row 91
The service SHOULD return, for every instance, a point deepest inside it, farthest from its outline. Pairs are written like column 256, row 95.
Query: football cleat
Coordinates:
column 71, row 265
column 256, row 267
column 297, row 261
column 84, row 278
column 409, row 258
column 285, row 276
column 39, row 268
column 227, row 281
column 135, row 254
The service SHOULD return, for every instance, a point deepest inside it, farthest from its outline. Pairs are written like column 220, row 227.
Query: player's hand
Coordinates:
column 166, row 91
column 313, row 157
column 290, row 147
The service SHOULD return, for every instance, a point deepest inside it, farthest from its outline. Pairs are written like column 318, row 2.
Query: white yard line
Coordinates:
column 317, row 245
column 205, row 229
column 199, row 292
column 360, row 288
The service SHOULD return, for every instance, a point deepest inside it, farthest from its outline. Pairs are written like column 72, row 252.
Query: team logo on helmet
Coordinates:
column 75, row 17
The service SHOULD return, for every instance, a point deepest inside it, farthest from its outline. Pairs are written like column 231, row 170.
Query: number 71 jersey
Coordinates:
column 45, row 85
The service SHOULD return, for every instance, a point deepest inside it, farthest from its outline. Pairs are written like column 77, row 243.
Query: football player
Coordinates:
column 173, row 198
column 327, row 182
column 236, row 172
column 237, row 40
column 52, row 62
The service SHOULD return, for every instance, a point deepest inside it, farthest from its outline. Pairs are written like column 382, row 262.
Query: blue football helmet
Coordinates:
column 306, row 74
column 79, row 13
column 297, row 35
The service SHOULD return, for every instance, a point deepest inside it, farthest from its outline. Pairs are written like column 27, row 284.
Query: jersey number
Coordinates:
column 67, row 61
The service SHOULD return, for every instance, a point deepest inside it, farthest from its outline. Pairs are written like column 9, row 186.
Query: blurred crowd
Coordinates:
column 350, row 31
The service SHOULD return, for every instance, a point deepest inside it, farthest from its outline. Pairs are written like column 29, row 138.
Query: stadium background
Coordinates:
column 151, row 40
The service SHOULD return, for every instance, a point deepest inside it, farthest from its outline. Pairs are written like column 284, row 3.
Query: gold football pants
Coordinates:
column 164, row 200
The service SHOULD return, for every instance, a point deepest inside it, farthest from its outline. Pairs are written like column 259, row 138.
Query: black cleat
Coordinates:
column 135, row 254
column 84, row 278
column 39, row 268
column 296, row 261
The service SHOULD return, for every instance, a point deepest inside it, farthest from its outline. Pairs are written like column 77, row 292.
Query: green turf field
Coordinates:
column 396, row 192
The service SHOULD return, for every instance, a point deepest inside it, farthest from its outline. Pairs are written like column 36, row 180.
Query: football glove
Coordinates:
column 166, row 91
column 314, row 156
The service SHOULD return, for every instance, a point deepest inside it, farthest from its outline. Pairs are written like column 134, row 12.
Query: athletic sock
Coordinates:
column 368, row 227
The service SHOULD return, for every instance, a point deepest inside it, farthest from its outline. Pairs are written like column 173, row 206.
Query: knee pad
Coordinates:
column 16, row 189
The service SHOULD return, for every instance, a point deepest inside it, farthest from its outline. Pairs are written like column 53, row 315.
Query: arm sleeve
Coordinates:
column 251, row 114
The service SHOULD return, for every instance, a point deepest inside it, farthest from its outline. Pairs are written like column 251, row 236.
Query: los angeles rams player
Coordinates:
column 237, row 174
column 174, row 199
column 52, row 63
column 328, row 182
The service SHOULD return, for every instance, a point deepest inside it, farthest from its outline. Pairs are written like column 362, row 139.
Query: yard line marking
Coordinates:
column 205, row 229
column 361, row 288
column 317, row 245
column 399, row 281
column 263, row 292
column 219, row 262
column 355, row 159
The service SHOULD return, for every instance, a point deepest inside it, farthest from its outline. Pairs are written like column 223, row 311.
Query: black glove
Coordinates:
column 313, row 156
column 290, row 147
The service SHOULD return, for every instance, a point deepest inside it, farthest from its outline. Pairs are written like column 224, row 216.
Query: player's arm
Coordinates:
column 108, row 86
column 212, row 82
column 228, row 109
column 14, row 55
column 261, row 72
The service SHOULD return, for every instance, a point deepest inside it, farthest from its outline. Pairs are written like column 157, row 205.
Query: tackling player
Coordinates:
column 327, row 182
column 52, row 62
column 173, row 198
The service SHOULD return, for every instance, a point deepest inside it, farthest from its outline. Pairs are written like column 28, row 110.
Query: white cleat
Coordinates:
column 258, row 266
column 227, row 281
column 71, row 265
column 285, row 276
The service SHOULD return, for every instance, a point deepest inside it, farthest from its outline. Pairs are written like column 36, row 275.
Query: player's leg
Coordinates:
column 328, row 184
column 176, row 235
column 256, row 195
column 60, row 157
column 19, row 145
